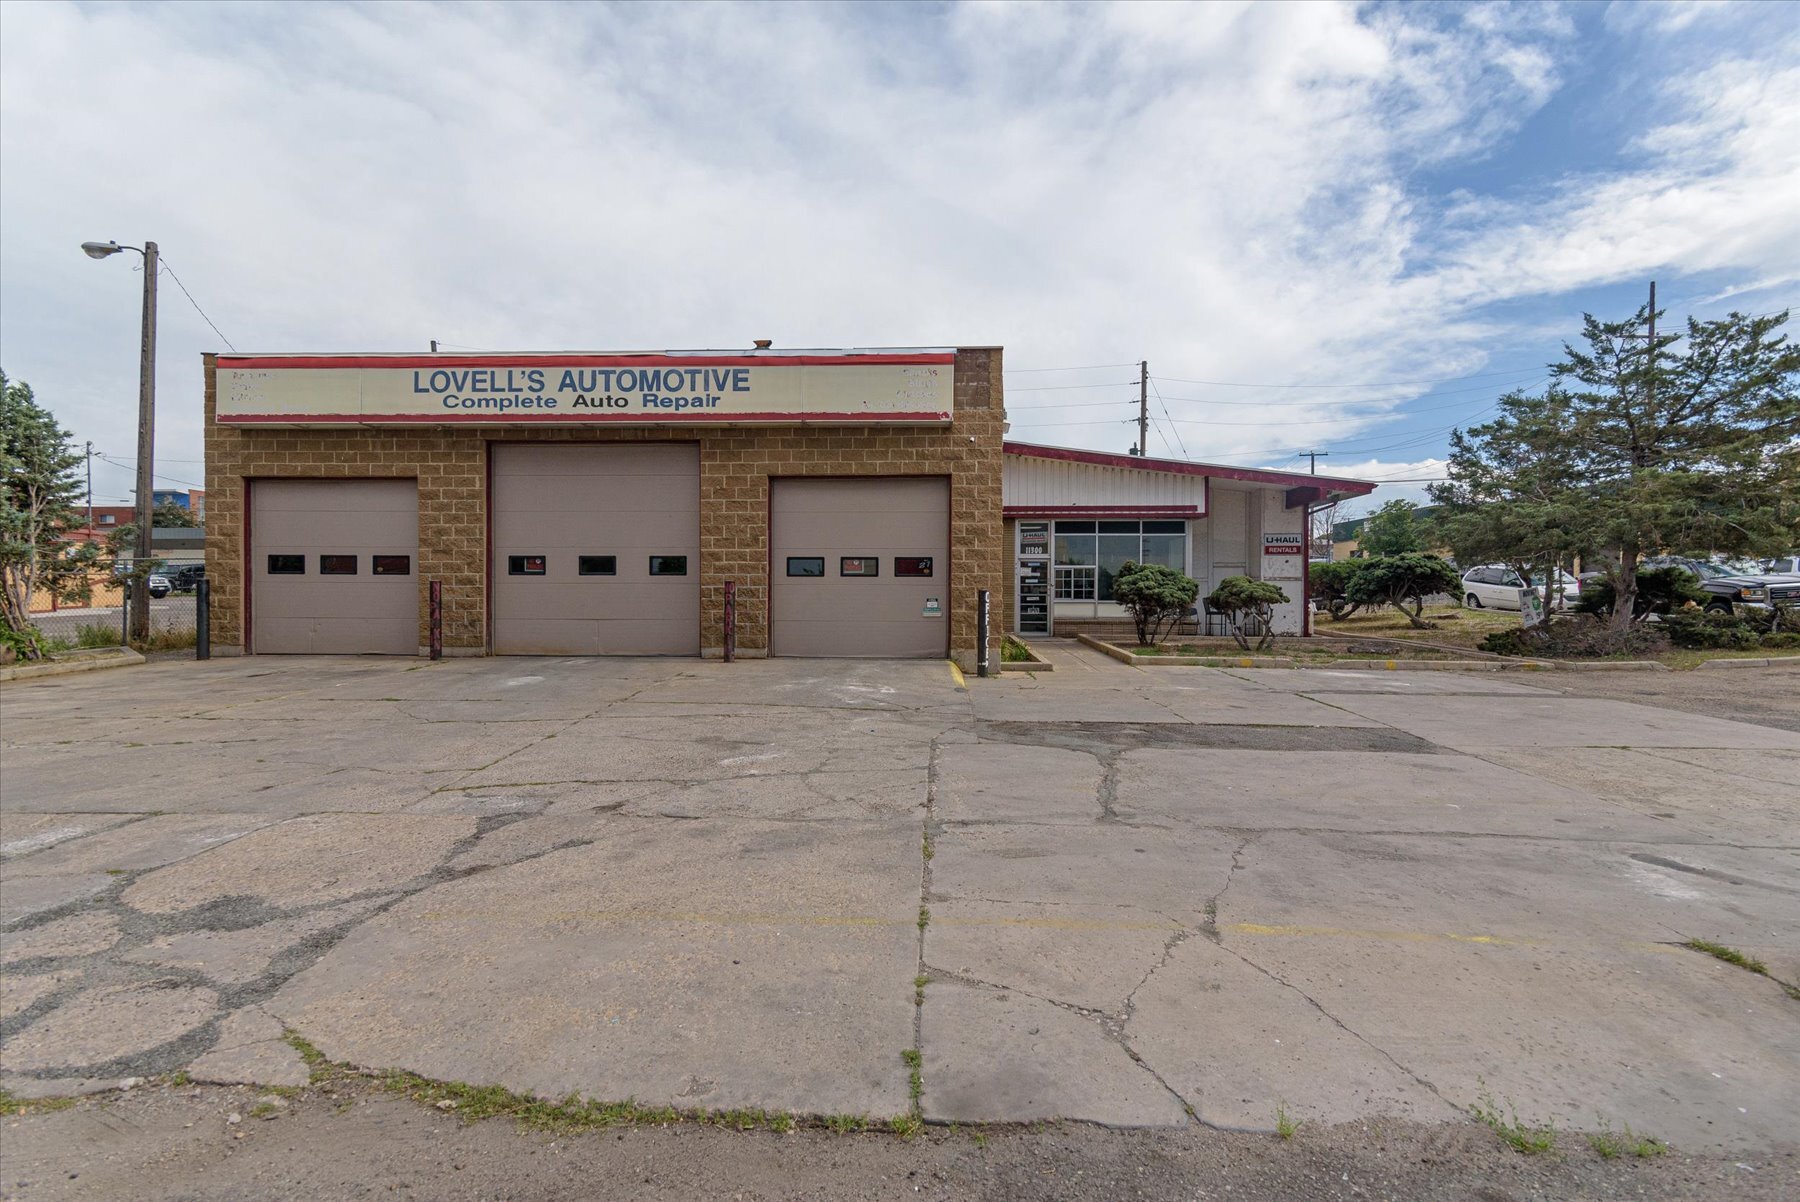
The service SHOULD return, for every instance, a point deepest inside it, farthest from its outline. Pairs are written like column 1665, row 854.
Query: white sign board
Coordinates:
column 909, row 388
column 1283, row 556
column 1531, row 607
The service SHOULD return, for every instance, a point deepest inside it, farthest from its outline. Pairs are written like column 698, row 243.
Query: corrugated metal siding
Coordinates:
column 1028, row 481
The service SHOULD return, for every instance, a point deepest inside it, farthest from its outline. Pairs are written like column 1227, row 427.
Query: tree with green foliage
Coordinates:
column 1403, row 581
column 1329, row 584
column 1637, row 447
column 40, row 488
column 1394, row 529
column 1157, row 596
column 1248, row 607
column 169, row 516
column 1659, row 591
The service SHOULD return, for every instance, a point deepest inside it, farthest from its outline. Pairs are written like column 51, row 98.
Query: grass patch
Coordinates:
column 1519, row 1136
column 573, row 1113
column 1285, row 1124
column 13, row 1104
column 1012, row 651
column 978, row 1138
column 1610, row 1144
column 1730, row 955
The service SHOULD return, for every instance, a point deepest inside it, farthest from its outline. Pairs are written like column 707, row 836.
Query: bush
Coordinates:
column 1329, row 585
column 1577, row 637
column 1709, row 632
column 1403, row 581
column 97, row 635
column 1659, row 591
column 1157, row 596
column 1786, row 640
column 1248, row 605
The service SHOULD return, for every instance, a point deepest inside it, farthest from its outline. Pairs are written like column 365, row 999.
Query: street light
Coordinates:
column 140, row 584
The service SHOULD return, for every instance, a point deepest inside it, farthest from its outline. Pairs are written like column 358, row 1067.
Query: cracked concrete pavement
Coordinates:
column 1142, row 898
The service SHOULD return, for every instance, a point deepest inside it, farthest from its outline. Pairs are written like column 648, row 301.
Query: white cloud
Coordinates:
column 1228, row 190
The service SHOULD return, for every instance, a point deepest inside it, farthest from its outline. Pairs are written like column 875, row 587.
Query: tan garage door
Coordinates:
column 596, row 550
column 860, row 567
column 334, row 567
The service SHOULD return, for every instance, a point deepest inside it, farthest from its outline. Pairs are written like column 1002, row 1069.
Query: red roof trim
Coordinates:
column 1104, row 511
column 1181, row 467
column 463, row 362
column 567, row 419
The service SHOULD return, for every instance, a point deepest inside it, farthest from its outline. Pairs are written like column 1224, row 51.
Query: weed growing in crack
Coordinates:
column 781, row 1124
column 1611, row 1144
column 919, row 983
column 317, row 1066
column 12, row 1104
column 1521, row 1137
column 907, row 1125
column 924, row 917
column 915, row 1063
column 926, row 848
column 1285, row 1124
column 1730, row 955
column 978, row 1138
column 846, row 1124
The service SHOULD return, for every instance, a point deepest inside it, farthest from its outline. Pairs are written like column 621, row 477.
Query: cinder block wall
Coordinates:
column 450, row 465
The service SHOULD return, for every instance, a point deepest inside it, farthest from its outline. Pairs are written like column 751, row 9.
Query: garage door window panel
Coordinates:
column 597, row 565
column 859, row 565
column 287, row 565
column 806, row 565
column 391, row 565
column 668, row 565
column 337, row 565
column 527, row 565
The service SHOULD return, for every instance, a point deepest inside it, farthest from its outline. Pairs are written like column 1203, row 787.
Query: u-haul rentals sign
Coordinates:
column 769, row 387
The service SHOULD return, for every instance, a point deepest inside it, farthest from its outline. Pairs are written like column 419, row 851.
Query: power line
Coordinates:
column 1014, row 371
column 1386, row 384
column 1067, row 387
column 1370, row 401
column 1171, row 417
column 195, row 303
column 158, row 475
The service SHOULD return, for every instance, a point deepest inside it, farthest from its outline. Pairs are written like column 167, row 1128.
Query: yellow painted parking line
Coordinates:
column 956, row 675
column 1257, row 928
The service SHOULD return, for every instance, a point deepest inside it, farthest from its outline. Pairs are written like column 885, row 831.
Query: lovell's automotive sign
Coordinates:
column 907, row 388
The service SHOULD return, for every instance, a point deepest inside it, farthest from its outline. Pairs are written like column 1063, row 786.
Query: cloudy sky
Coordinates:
column 1326, row 227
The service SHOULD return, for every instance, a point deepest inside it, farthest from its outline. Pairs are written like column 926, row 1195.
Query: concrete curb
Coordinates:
column 1338, row 665
column 112, row 657
column 1600, row 665
column 1781, row 661
column 1036, row 663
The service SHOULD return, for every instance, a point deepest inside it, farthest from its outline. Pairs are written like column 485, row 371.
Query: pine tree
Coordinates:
column 40, row 488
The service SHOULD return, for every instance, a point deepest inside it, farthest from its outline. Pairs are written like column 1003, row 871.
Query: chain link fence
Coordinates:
column 94, row 615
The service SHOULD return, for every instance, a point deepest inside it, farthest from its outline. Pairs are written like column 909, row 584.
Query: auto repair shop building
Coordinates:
column 595, row 504
column 1073, row 518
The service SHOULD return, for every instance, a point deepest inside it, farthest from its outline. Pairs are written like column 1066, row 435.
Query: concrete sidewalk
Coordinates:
column 1136, row 897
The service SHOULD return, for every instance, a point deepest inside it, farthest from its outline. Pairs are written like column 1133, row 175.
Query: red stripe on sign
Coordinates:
column 567, row 419
column 461, row 362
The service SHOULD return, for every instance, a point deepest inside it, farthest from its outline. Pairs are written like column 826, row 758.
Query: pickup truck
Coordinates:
column 1728, row 592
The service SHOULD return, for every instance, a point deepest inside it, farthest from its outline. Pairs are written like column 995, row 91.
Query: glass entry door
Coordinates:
column 1033, row 565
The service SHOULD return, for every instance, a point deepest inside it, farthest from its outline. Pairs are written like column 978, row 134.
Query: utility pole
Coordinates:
column 90, row 475
column 1315, row 456
column 140, row 583
column 1652, row 376
column 434, row 346
column 1144, row 407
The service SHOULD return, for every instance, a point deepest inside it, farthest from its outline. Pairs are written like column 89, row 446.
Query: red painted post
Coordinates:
column 730, row 621
column 437, row 619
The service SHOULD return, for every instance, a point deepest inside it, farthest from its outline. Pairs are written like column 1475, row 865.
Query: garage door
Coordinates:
column 861, row 567
column 596, row 550
column 334, row 567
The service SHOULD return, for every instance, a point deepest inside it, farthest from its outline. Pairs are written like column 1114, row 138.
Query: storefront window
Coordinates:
column 1090, row 554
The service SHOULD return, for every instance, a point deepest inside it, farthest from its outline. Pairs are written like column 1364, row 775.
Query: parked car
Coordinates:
column 1727, row 591
column 159, row 585
column 1496, row 586
column 187, row 578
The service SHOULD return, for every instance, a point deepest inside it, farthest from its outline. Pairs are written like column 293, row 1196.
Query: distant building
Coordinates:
column 194, row 499
column 1347, row 534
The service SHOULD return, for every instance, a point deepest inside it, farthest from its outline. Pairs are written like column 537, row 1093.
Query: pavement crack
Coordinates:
column 1341, row 1025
